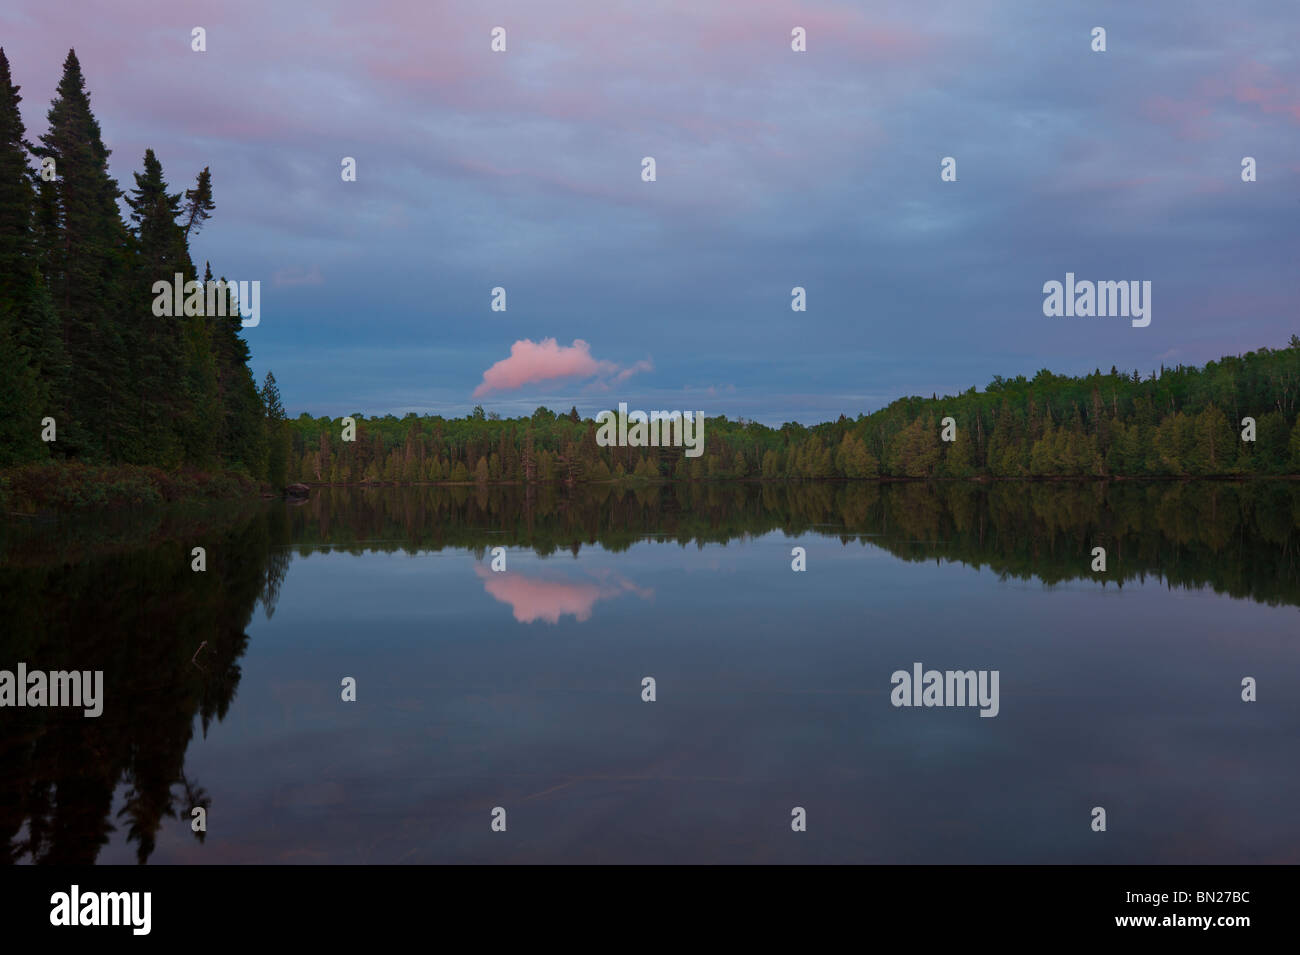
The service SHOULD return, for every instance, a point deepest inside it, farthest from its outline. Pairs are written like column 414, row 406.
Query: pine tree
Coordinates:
column 17, row 197
column 277, row 434
column 165, row 381
column 243, row 432
column 85, row 270
column 200, row 425
column 198, row 204
column 24, row 306
column 76, row 293
column 20, row 411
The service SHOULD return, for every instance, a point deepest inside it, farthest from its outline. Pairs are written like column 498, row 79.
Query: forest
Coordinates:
column 1181, row 421
column 83, row 360
column 125, row 393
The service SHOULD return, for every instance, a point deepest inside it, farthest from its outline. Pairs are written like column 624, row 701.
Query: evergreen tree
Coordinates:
column 198, row 204
column 24, row 305
column 277, row 436
column 86, row 271
column 164, row 380
column 201, row 425
column 242, row 440
column 20, row 406
column 76, row 292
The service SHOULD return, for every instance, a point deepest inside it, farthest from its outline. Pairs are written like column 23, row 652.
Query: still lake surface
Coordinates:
column 523, row 689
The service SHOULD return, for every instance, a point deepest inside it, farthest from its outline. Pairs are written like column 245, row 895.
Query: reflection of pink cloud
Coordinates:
column 533, row 599
column 532, row 362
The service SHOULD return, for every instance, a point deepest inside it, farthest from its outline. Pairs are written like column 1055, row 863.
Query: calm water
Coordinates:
column 522, row 689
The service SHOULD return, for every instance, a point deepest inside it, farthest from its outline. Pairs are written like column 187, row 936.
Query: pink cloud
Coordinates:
column 1199, row 115
column 622, row 376
column 1258, row 85
column 1189, row 118
column 532, row 362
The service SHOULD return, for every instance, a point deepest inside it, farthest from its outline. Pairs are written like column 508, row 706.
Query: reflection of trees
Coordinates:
column 1239, row 538
column 277, row 561
column 137, row 612
column 277, row 565
column 125, row 601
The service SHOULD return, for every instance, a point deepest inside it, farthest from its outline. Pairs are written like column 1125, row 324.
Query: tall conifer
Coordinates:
column 85, row 269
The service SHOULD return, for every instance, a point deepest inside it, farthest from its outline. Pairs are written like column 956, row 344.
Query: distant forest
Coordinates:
column 1179, row 421
column 79, row 342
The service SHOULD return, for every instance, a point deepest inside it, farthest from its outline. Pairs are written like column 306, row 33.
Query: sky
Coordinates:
column 774, row 169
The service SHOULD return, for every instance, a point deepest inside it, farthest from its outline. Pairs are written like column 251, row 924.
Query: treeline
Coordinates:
column 1178, row 421
column 81, row 348
column 79, row 343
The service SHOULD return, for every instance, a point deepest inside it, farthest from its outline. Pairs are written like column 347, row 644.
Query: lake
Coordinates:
column 773, row 688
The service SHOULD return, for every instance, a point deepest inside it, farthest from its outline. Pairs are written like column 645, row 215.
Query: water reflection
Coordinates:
column 118, row 594
column 534, row 598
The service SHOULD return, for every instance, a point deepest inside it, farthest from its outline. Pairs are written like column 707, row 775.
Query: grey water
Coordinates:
column 522, row 690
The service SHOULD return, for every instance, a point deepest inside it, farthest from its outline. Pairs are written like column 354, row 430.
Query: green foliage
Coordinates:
column 277, row 435
column 78, row 338
column 55, row 486
column 172, row 392
column 25, row 309
column 1053, row 426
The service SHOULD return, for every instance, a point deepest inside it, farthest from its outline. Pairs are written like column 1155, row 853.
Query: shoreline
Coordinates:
column 55, row 487
column 52, row 488
column 881, row 479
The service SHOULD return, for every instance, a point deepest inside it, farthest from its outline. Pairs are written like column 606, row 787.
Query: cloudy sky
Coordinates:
column 775, row 169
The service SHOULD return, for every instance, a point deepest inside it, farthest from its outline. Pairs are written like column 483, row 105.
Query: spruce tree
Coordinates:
column 84, row 268
column 277, row 433
column 200, row 426
column 242, row 433
column 17, row 202
column 23, row 304
column 198, row 203
column 160, row 383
